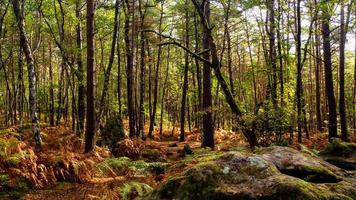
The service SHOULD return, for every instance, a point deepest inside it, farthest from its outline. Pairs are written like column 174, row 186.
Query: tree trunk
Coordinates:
column 141, row 128
column 208, row 127
column 129, row 70
column 111, row 61
column 185, row 81
column 299, row 88
column 19, row 13
column 91, row 123
column 317, row 78
column 155, row 89
column 332, row 124
column 80, row 74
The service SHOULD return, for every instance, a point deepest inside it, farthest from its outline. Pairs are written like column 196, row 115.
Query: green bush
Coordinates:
column 113, row 132
column 269, row 124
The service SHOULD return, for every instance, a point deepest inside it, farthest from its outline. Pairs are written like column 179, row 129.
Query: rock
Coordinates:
column 341, row 154
column 152, row 155
column 294, row 163
column 241, row 175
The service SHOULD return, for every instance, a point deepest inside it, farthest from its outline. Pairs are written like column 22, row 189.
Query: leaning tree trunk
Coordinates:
column 111, row 61
column 215, row 65
column 31, row 70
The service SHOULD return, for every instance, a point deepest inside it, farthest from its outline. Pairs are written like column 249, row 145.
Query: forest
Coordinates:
column 177, row 99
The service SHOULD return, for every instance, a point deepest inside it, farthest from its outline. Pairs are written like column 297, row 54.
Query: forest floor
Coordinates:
column 60, row 170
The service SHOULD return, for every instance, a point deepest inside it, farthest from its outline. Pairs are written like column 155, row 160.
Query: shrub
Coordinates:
column 269, row 124
column 112, row 132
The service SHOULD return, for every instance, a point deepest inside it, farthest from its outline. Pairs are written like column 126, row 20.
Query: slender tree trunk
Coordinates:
column 119, row 74
column 19, row 13
column 155, row 89
column 299, row 88
column 280, row 55
column 332, row 124
column 272, row 52
column 196, row 34
column 51, row 89
column 111, row 62
column 129, row 69
column 91, row 123
column 80, row 74
column 318, row 63
column 164, row 90
column 185, row 82
column 342, row 109
column 141, row 128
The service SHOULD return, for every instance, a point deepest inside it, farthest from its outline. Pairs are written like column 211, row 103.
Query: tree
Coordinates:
column 81, row 86
column 208, row 127
column 19, row 14
column 332, row 123
column 129, row 68
column 91, row 123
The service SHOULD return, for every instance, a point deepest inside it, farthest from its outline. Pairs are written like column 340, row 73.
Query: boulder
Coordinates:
column 269, row 173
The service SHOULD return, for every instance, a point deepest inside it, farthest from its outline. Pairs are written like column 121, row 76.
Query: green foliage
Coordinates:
column 113, row 131
column 270, row 124
column 123, row 164
column 133, row 189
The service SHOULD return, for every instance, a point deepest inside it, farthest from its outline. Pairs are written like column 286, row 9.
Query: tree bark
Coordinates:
column 30, row 68
column 185, row 81
column 155, row 89
column 208, row 127
column 81, row 86
column 332, row 124
column 129, row 69
column 111, row 61
column 91, row 123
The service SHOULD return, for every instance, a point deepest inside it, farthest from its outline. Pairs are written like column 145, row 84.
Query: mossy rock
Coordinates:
column 152, row 155
column 339, row 148
column 295, row 163
column 341, row 154
column 197, row 183
column 236, row 175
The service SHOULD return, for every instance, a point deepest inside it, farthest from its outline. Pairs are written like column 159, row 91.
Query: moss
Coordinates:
column 151, row 155
column 196, row 183
column 297, row 189
column 133, row 190
column 115, row 164
column 345, row 188
column 306, row 150
column 339, row 148
column 14, row 159
column 4, row 179
column 5, row 144
column 313, row 174
column 123, row 164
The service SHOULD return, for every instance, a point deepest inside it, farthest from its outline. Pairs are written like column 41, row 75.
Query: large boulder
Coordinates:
column 262, row 175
